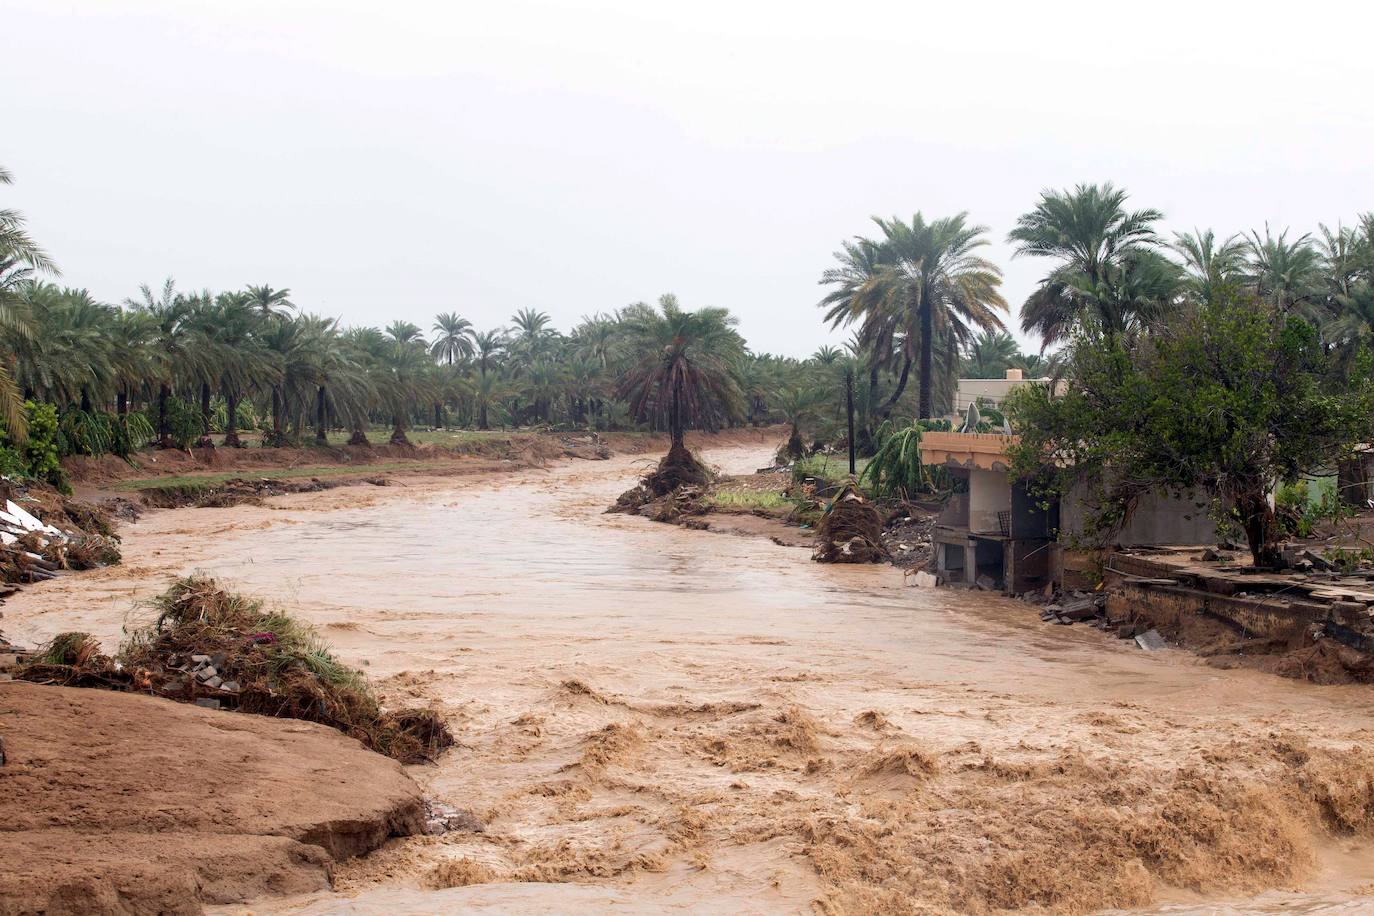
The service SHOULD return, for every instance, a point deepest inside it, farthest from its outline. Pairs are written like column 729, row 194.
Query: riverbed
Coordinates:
column 653, row 718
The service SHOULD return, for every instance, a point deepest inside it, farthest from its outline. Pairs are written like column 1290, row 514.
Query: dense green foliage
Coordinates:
column 1231, row 397
column 896, row 469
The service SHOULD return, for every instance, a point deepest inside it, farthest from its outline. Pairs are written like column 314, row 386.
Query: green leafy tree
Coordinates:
column 1231, row 399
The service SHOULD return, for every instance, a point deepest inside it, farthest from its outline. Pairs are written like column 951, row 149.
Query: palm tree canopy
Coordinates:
column 1106, row 267
column 452, row 338
column 990, row 355
column 688, row 372
column 269, row 302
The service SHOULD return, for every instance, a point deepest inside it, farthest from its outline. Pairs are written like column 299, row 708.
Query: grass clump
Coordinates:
column 748, row 499
column 832, row 469
column 278, row 666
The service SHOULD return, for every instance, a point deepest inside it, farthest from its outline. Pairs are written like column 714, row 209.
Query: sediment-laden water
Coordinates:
column 653, row 718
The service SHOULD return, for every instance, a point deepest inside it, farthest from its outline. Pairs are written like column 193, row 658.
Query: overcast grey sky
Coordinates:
column 399, row 159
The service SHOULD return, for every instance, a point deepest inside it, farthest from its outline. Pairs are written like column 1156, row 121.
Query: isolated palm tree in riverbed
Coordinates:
column 688, row 374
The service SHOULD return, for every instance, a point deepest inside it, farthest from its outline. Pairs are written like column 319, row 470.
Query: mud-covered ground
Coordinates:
column 655, row 718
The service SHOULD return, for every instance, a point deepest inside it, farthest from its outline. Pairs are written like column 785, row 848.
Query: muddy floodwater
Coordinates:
column 653, row 719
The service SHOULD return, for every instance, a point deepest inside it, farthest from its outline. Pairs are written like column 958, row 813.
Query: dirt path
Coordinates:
column 690, row 720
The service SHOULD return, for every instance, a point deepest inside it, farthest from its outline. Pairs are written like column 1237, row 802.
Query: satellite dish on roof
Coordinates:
column 972, row 419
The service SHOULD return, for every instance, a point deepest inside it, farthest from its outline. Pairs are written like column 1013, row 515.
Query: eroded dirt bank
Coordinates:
column 689, row 719
column 113, row 802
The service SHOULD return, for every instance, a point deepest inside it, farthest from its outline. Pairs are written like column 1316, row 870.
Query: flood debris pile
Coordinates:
column 673, row 489
column 236, row 492
column 214, row 648
column 32, row 549
column 1314, row 621
column 908, row 536
column 851, row 531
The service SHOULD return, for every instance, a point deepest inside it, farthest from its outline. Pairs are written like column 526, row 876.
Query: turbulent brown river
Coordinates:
column 654, row 719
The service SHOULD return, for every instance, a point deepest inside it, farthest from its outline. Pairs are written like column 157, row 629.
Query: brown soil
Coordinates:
column 120, row 803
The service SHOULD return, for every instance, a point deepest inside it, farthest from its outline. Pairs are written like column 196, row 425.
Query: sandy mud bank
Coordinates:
column 115, row 802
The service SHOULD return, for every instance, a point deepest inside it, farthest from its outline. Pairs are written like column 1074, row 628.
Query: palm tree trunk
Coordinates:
column 438, row 416
column 122, row 402
column 359, row 436
column 321, row 437
column 205, row 411
column 164, row 430
column 925, row 406
column 278, row 436
column 482, row 416
column 231, row 419
column 398, row 430
column 675, row 419
column 901, row 387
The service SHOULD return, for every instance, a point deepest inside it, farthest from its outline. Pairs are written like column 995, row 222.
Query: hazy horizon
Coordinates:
column 399, row 163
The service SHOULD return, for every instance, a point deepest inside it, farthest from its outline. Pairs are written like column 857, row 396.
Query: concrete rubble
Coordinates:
column 441, row 818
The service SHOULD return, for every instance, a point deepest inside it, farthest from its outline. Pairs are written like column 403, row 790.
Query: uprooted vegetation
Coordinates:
column 851, row 531
column 43, row 532
column 808, row 496
column 214, row 647
column 673, row 489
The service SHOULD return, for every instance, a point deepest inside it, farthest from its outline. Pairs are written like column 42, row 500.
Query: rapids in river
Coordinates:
column 655, row 719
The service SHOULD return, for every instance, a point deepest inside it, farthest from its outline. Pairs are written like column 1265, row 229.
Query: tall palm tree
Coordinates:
column 342, row 385
column 403, row 332
column 269, row 302
column 1284, row 273
column 687, row 374
column 990, row 355
column 241, row 361
column 452, row 338
column 286, row 340
column 530, row 324
column 366, row 348
column 1098, row 246
column 488, row 347
column 402, row 381
column 826, row 355
column 925, row 284
column 178, row 346
column 798, row 406
column 21, row 259
column 1209, row 265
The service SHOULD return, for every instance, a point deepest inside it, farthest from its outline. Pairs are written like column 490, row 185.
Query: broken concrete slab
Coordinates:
column 1151, row 641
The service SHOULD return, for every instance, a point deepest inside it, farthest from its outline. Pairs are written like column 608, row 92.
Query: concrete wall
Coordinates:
column 1158, row 519
column 988, row 493
column 991, row 390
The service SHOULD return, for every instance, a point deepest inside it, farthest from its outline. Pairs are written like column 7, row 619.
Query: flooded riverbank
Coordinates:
column 690, row 719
